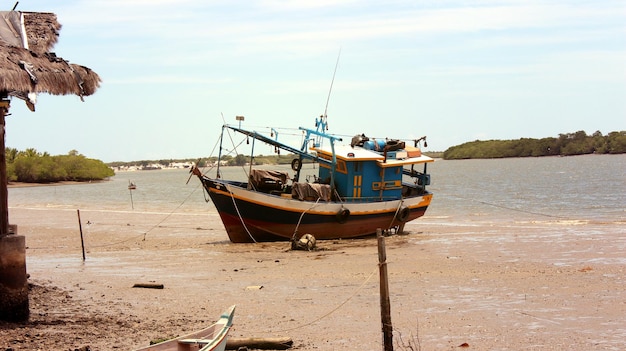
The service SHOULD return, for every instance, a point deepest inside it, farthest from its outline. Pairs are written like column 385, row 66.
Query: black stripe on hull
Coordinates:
column 265, row 223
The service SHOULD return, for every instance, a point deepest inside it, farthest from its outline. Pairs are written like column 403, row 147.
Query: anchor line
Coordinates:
column 301, row 216
column 333, row 310
column 396, row 214
column 509, row 208
column 232, row 196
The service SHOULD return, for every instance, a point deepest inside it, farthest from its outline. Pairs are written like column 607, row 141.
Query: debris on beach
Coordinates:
column 149, row 285
column 306, row 242
column 276, row 343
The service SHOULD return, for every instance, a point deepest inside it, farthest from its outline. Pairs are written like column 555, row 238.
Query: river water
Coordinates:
column 579, row 188
column 586, row 188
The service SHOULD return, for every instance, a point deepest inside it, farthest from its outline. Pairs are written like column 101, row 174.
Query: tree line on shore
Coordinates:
column 569, row 144
column 31, row 166
column 238, row 160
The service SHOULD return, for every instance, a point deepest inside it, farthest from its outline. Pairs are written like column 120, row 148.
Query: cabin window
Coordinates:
column 341, row 164
column 388, row 185
column 341, row 167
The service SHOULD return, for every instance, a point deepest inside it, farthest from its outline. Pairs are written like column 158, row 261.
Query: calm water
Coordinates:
column 580, row 188
column 589, row 188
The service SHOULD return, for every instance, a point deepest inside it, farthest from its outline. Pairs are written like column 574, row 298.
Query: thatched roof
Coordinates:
column 42, row 30
column 24, row 71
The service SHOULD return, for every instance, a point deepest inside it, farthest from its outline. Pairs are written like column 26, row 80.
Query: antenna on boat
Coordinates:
column 322, row 122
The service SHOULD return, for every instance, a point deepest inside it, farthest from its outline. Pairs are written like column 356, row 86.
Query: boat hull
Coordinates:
column 213, row 338
column 251, row 216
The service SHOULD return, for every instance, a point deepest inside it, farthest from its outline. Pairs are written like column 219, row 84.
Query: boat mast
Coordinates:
column 322, row 126
column 331, row 89
column 219, row 157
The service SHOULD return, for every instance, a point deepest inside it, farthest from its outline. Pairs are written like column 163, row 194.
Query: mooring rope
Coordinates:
column 232, row 196
column 301, row 216
column 509, row 208
column 331, row 311
column 395, row 215
column 151, row 228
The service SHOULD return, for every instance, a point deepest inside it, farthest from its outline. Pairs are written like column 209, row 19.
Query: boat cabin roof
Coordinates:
column 348, row 153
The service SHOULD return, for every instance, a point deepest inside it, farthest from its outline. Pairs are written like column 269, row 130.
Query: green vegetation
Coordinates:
column 241, row 160
column 570, row 144
column 30, row 166
column 433, row 154
column 238, row 160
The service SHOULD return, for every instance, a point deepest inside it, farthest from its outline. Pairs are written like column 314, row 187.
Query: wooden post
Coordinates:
column 4, row 207
column 80, row 227
column 385, row 305
column 132, row 205
column 13, row 278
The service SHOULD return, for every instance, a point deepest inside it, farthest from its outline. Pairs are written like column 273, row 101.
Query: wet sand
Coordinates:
column 536, row 285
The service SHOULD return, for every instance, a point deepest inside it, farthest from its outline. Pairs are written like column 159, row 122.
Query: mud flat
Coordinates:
column 535, row 285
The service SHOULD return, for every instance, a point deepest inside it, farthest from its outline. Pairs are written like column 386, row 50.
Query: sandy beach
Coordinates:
column 502, row 286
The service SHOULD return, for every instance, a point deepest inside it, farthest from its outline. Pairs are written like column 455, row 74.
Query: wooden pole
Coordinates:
column 4, row 207
column 13, row 278
column 385, row 305
column 80, row 227
column 132, row 205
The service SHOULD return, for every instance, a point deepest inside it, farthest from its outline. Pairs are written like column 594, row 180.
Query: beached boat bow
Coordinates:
column 212, row 338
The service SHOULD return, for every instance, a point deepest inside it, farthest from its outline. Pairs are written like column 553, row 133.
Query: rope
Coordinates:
column 232, row 196
column 396, row 214
column 302, row 215
column 153, row 227
column 510, row 208
column 331, row 311
column 120, row 242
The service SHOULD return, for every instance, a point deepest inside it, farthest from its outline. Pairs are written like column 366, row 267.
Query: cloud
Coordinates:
column 273, row 60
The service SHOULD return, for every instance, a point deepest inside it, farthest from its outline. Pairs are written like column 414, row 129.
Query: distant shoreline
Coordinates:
column 65, row 182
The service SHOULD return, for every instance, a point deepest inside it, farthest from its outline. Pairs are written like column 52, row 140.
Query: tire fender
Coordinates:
column 342, row 215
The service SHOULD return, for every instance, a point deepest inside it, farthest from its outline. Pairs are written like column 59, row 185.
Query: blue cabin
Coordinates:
column 366, row 175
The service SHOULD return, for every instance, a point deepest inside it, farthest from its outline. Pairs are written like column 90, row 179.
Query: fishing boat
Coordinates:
column 359, row 187
column 212, row 338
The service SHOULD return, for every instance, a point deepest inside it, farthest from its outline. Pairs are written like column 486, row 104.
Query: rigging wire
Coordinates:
column 331, row 84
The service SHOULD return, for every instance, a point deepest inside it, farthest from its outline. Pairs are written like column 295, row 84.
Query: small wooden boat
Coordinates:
column 131, row 185
column 212, row 338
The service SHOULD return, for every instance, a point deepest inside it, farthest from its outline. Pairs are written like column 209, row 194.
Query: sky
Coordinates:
column 174, row 71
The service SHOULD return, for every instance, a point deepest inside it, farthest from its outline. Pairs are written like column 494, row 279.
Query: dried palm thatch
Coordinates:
column 42, row 30
column 26, row 71
column 35, row 70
